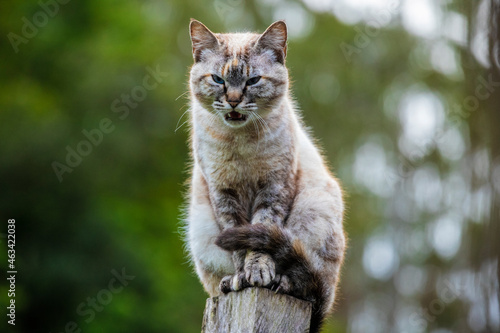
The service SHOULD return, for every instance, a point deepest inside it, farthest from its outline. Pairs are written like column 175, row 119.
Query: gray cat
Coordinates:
column 264, row 210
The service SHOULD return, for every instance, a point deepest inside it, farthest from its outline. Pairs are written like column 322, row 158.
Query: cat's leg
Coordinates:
column 230, row 212
column 273, row 200
column 270, row 207
column 211, row 262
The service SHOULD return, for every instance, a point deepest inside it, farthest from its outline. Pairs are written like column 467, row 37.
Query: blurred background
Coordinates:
column 403, row 96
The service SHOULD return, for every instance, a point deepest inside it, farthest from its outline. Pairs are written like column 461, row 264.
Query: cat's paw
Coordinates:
column 259, row 269
column 225, row 284
column 281, row 284
column 233, row 283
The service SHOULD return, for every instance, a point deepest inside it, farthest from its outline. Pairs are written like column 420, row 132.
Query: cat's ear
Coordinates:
column 274, row 39
column 202, row 39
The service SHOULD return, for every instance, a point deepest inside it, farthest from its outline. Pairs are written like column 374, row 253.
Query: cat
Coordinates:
column 264, row 210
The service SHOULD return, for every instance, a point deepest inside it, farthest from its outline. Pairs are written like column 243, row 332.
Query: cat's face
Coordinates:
column 239, row 76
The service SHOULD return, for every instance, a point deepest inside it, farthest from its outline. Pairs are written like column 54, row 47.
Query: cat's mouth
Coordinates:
column 235, row 116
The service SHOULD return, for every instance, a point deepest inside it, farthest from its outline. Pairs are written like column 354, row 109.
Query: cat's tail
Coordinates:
column 290, row 259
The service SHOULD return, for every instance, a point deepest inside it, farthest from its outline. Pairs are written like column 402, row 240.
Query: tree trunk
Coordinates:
column 256, row 310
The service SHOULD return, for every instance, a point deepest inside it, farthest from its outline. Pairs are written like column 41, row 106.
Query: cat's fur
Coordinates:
column 263, row 208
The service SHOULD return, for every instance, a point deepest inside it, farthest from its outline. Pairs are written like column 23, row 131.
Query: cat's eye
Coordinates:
column 253, row 81
column 217, row 79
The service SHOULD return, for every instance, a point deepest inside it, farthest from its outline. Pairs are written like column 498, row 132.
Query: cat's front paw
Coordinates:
column 259, row 269
column 281, row 284
column 233, row 283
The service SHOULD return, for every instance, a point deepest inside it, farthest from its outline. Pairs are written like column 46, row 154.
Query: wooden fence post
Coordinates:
column 256, row 310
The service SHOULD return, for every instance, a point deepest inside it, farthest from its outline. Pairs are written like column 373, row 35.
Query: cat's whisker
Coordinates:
column 260, row 121
column 252, row 118
column 263, row 122
column 187, row 121
column 184, row 93
column 178, row 121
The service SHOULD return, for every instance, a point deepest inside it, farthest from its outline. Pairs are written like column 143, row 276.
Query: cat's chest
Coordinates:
column 243, row 160
column 234, row 166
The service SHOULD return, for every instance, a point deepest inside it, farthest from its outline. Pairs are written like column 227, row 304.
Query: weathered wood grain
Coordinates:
column 256, row 310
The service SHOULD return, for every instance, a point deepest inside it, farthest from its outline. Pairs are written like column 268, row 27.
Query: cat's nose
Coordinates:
column 233, row 103
column 234, row 98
